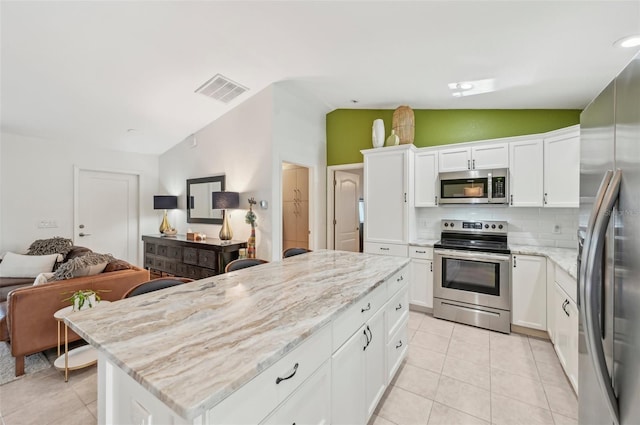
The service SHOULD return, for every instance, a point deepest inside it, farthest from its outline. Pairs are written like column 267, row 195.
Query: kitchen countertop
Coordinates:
column 566, row 258
column 192, row 345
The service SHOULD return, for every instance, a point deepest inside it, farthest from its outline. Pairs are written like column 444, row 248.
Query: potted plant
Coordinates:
column 83, row 299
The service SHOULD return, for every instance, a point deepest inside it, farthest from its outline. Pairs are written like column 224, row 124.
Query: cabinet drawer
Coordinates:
column 162, row 250
column 158, row 264
column 309, row 404
column 421, row 252
column 190, row 256
column 397, row 308
column 355, row 316
column 170, row 267
column 266, row 390
column 207, row 259
column 567, row 283
column 397, row 349
column 149, row 248
column 398, row 281
column 385, row 249
column 174, row 252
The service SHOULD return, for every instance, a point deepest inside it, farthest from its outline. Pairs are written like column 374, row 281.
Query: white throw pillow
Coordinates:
column 43, row 278
column 16, row 265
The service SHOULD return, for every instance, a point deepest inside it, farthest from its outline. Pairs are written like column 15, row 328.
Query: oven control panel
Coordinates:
column 474, row 226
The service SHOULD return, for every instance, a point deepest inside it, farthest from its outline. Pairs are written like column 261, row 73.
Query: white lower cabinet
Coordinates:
column 529, row 291
column 421, row 293
column 551, row 297
column 375, row 378
column 566, row 334
column 359, row 373
column 310, row 404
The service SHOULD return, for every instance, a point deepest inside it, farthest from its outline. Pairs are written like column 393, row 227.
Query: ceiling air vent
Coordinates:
column 221, row 88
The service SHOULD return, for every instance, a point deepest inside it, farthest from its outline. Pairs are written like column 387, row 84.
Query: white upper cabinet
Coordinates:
column 526, row 173
column 480, row 157
column 562, row 169
column 386, row 195
column 425, row 179
column 486, row 157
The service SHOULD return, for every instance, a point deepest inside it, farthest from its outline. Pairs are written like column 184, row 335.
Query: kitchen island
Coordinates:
column 315, row 337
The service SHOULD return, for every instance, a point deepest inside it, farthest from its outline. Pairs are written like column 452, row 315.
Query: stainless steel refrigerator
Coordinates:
column 609, row 254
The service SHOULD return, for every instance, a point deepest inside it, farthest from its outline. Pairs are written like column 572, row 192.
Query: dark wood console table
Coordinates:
column 178, row 256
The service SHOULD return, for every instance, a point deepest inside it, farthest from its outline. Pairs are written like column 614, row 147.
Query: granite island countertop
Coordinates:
column 566, row 258
column 193, row 345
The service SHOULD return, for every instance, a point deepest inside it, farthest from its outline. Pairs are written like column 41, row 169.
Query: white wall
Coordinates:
column 36, row 176
column 299, row 137
column 527, row 226
column 248, row 145
column 238, row 145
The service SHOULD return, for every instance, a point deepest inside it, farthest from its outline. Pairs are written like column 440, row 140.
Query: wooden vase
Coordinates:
column 251, row 244
column 403, row 123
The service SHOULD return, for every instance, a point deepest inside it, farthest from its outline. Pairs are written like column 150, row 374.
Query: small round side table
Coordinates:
column 77, row 358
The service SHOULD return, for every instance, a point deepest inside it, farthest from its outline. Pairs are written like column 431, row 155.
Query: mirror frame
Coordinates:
column 213, row 179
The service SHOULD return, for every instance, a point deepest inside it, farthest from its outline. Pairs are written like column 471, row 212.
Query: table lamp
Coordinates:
column 224, row 201
column 165, row 202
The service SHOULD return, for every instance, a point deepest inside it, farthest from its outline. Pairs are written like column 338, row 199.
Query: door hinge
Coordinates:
column 334, row 182
column 334, row 222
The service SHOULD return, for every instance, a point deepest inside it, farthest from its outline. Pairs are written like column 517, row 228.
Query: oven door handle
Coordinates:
column 472, row 255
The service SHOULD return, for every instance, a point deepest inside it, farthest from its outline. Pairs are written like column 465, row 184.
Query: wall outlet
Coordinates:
column 47, row 224
column 556, row 229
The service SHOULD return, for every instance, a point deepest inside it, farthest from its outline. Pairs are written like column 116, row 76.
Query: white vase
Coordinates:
column 378, row 133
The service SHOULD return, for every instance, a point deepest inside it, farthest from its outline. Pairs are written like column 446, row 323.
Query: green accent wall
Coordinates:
column 349, row 130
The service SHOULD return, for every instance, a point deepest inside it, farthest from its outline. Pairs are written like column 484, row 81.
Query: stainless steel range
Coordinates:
column 472, row 279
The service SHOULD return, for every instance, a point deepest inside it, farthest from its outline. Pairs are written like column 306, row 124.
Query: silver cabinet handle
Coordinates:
column 474, row 164
column 367, row 308
column 431, row 266
column 514, row 261
column 511, row 199
column 592, row 285
column 436, row 200
column 468, row 164
column 544, row 199
column 421, row 252
column 399, row 307
column 81, row 234
column 384, row 249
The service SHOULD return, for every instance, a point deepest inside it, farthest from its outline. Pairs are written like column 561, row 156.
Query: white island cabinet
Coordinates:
column 314, row 338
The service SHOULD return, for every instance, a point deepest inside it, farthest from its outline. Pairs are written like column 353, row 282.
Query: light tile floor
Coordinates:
column 453, row 374
column 458, row 374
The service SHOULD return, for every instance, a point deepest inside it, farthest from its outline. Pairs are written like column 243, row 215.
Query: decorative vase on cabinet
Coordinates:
column 393, row 139
column 378, row 133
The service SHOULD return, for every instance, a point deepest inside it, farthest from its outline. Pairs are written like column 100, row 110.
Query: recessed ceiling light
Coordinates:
column 629, row 41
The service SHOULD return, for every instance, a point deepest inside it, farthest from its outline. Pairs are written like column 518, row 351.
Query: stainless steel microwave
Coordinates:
column 474, row 187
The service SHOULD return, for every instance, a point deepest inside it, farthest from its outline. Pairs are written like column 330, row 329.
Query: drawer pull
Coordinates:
column 367, row 308
column 564, row 305
column 295, row 369
column 369, row 337
column 400, row 279
column 399, row 307
column 384, row 249
column 399, row 344
column 421, row 252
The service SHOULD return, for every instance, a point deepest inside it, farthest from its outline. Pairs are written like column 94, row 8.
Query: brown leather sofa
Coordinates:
column 26, row 318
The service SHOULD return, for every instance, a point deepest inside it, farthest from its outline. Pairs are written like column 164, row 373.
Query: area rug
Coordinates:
column 32, row 364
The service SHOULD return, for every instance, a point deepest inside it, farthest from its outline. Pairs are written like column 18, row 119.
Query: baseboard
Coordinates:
column 420, row 309
column 530, row 332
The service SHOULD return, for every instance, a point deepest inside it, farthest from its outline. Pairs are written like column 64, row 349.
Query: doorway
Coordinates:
column 345, row 220
column 106, row 213
column 295, row 206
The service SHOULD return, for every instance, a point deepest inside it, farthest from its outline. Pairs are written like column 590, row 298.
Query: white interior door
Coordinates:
column 347, row 225
column 106, row 213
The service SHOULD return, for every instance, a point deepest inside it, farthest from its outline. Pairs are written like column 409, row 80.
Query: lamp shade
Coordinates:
column 165, row 202
column 225, row 200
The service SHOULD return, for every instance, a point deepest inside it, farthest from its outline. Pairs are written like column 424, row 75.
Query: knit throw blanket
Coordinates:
column 56, row 245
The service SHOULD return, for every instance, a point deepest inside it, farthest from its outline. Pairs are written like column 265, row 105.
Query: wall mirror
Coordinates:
column 199, row 199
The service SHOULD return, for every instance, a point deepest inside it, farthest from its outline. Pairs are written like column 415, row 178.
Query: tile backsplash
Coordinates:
column 554, row 227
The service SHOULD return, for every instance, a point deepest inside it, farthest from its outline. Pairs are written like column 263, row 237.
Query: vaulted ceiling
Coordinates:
column 123, row 74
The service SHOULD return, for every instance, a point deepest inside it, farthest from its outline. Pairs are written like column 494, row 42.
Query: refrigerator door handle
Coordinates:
column 586, row 240
column 592, row 267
